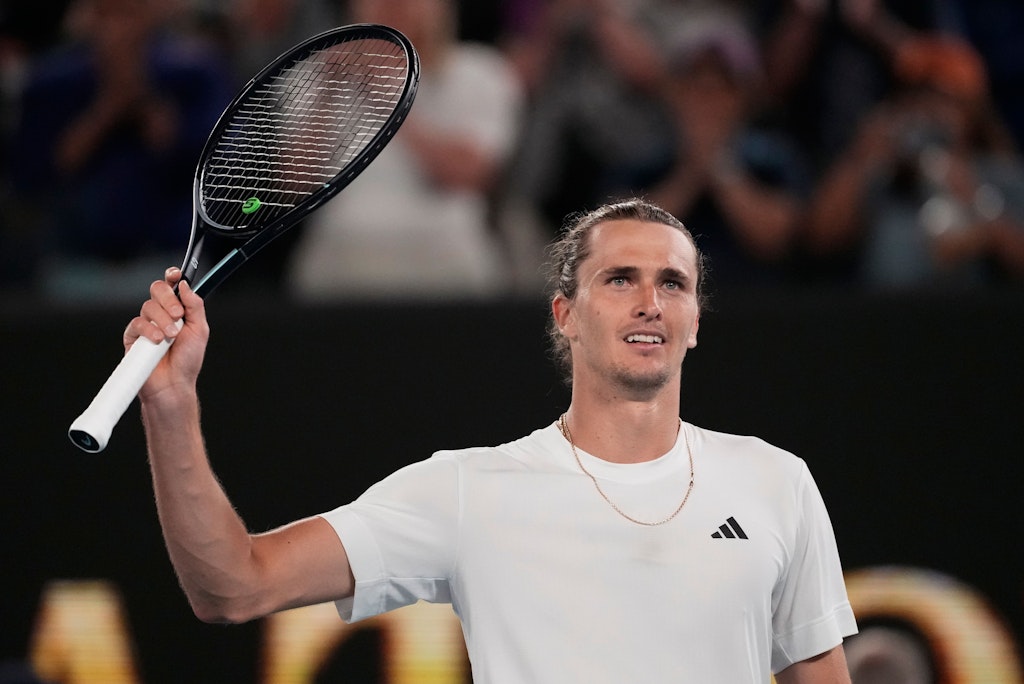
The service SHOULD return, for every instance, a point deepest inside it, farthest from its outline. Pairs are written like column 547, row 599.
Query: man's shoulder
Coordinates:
column 745, row 450
column 521, row 450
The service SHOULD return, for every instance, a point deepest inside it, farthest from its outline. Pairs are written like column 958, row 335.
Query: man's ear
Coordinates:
column 692, row 342
column 561, row 311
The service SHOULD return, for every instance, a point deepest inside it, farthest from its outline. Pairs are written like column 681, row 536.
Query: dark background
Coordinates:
column 907, row 410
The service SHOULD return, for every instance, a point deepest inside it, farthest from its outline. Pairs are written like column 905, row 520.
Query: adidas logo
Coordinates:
column 730, row 530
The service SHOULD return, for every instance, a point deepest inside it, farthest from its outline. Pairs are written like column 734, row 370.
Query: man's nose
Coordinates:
column 648, row 305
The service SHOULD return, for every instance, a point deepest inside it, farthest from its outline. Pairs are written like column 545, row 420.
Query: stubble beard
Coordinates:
column 640, row 385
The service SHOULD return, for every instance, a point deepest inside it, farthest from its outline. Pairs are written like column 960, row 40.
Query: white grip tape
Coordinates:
column 91, row 430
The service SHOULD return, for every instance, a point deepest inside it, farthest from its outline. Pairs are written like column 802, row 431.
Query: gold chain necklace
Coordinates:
column 564, row 427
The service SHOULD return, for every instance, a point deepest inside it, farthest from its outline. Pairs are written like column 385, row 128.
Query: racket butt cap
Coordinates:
column 85, row 439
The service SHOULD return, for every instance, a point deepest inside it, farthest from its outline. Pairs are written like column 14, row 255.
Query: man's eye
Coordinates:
column 618, row 280
column 673, row 285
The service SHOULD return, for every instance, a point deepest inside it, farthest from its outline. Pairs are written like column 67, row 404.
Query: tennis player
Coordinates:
column 619, row 543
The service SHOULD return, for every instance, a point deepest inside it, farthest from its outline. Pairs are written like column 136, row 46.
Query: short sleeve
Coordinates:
column 400, row 537
column 811, row 612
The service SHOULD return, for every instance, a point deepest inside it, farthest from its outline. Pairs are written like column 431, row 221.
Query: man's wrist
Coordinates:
column 174, row 402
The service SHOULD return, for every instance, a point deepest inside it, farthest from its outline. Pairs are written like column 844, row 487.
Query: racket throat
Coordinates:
column 221, row 270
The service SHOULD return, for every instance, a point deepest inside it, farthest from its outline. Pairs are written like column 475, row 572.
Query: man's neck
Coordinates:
column 624, row 431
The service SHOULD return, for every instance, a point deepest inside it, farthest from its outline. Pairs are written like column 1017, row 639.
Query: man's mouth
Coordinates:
column 647, row 339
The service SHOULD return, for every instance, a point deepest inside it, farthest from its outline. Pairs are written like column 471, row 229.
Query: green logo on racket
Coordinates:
column 251, row 205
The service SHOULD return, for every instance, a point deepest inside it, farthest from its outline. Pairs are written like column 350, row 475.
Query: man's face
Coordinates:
column 635, row 313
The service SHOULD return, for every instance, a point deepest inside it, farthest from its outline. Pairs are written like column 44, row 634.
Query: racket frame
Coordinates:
column 201, row 223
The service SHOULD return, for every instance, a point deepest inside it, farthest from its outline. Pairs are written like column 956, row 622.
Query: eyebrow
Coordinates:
column 667, row 273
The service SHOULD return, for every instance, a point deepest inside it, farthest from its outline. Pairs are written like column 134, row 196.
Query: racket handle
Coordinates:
column 91, row 430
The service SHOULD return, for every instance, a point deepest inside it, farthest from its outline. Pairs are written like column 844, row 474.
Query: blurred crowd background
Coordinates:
column 853, row 144
column 841, row 146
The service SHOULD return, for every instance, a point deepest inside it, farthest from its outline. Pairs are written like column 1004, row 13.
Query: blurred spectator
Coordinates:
column 260, row 30
column 109, row 131
column 25, row 29
column 931, row 191
column 827, row 64
column 994, row 27
column 18, row 246
column 740, row 186
column 416, row 223
column 593, row 69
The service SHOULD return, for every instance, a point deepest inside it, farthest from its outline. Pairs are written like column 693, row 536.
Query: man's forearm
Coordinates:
column 207, row 541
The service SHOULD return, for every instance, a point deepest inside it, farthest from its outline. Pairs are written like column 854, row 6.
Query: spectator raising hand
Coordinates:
column 930, row 192
column 111, row 125
column 741, row 186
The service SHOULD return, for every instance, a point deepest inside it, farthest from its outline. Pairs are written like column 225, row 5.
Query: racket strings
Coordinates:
column 301, row 128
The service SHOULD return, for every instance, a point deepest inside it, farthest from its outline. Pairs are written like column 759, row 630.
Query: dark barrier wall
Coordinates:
column 908, row 411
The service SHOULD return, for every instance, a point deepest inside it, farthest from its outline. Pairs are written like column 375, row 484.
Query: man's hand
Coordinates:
column 180, row 317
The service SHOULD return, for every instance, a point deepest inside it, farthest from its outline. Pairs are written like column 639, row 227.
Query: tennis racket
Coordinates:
column 297, row 134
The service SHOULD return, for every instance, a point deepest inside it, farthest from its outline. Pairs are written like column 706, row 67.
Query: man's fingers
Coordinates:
column 162, row 317
column 194, row 306
column 172, row 275
column 142, row 327
column 162, row 292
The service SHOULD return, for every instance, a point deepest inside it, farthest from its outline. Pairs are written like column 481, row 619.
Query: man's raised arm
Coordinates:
column 228, row 574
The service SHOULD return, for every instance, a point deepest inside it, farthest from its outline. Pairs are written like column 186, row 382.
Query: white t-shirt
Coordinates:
column 552, row 585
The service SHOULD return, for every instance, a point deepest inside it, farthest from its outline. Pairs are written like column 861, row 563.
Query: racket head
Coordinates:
column 294, row 136
column 299, row 132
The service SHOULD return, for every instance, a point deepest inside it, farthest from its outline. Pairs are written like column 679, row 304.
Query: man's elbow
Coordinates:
column 222, row 611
